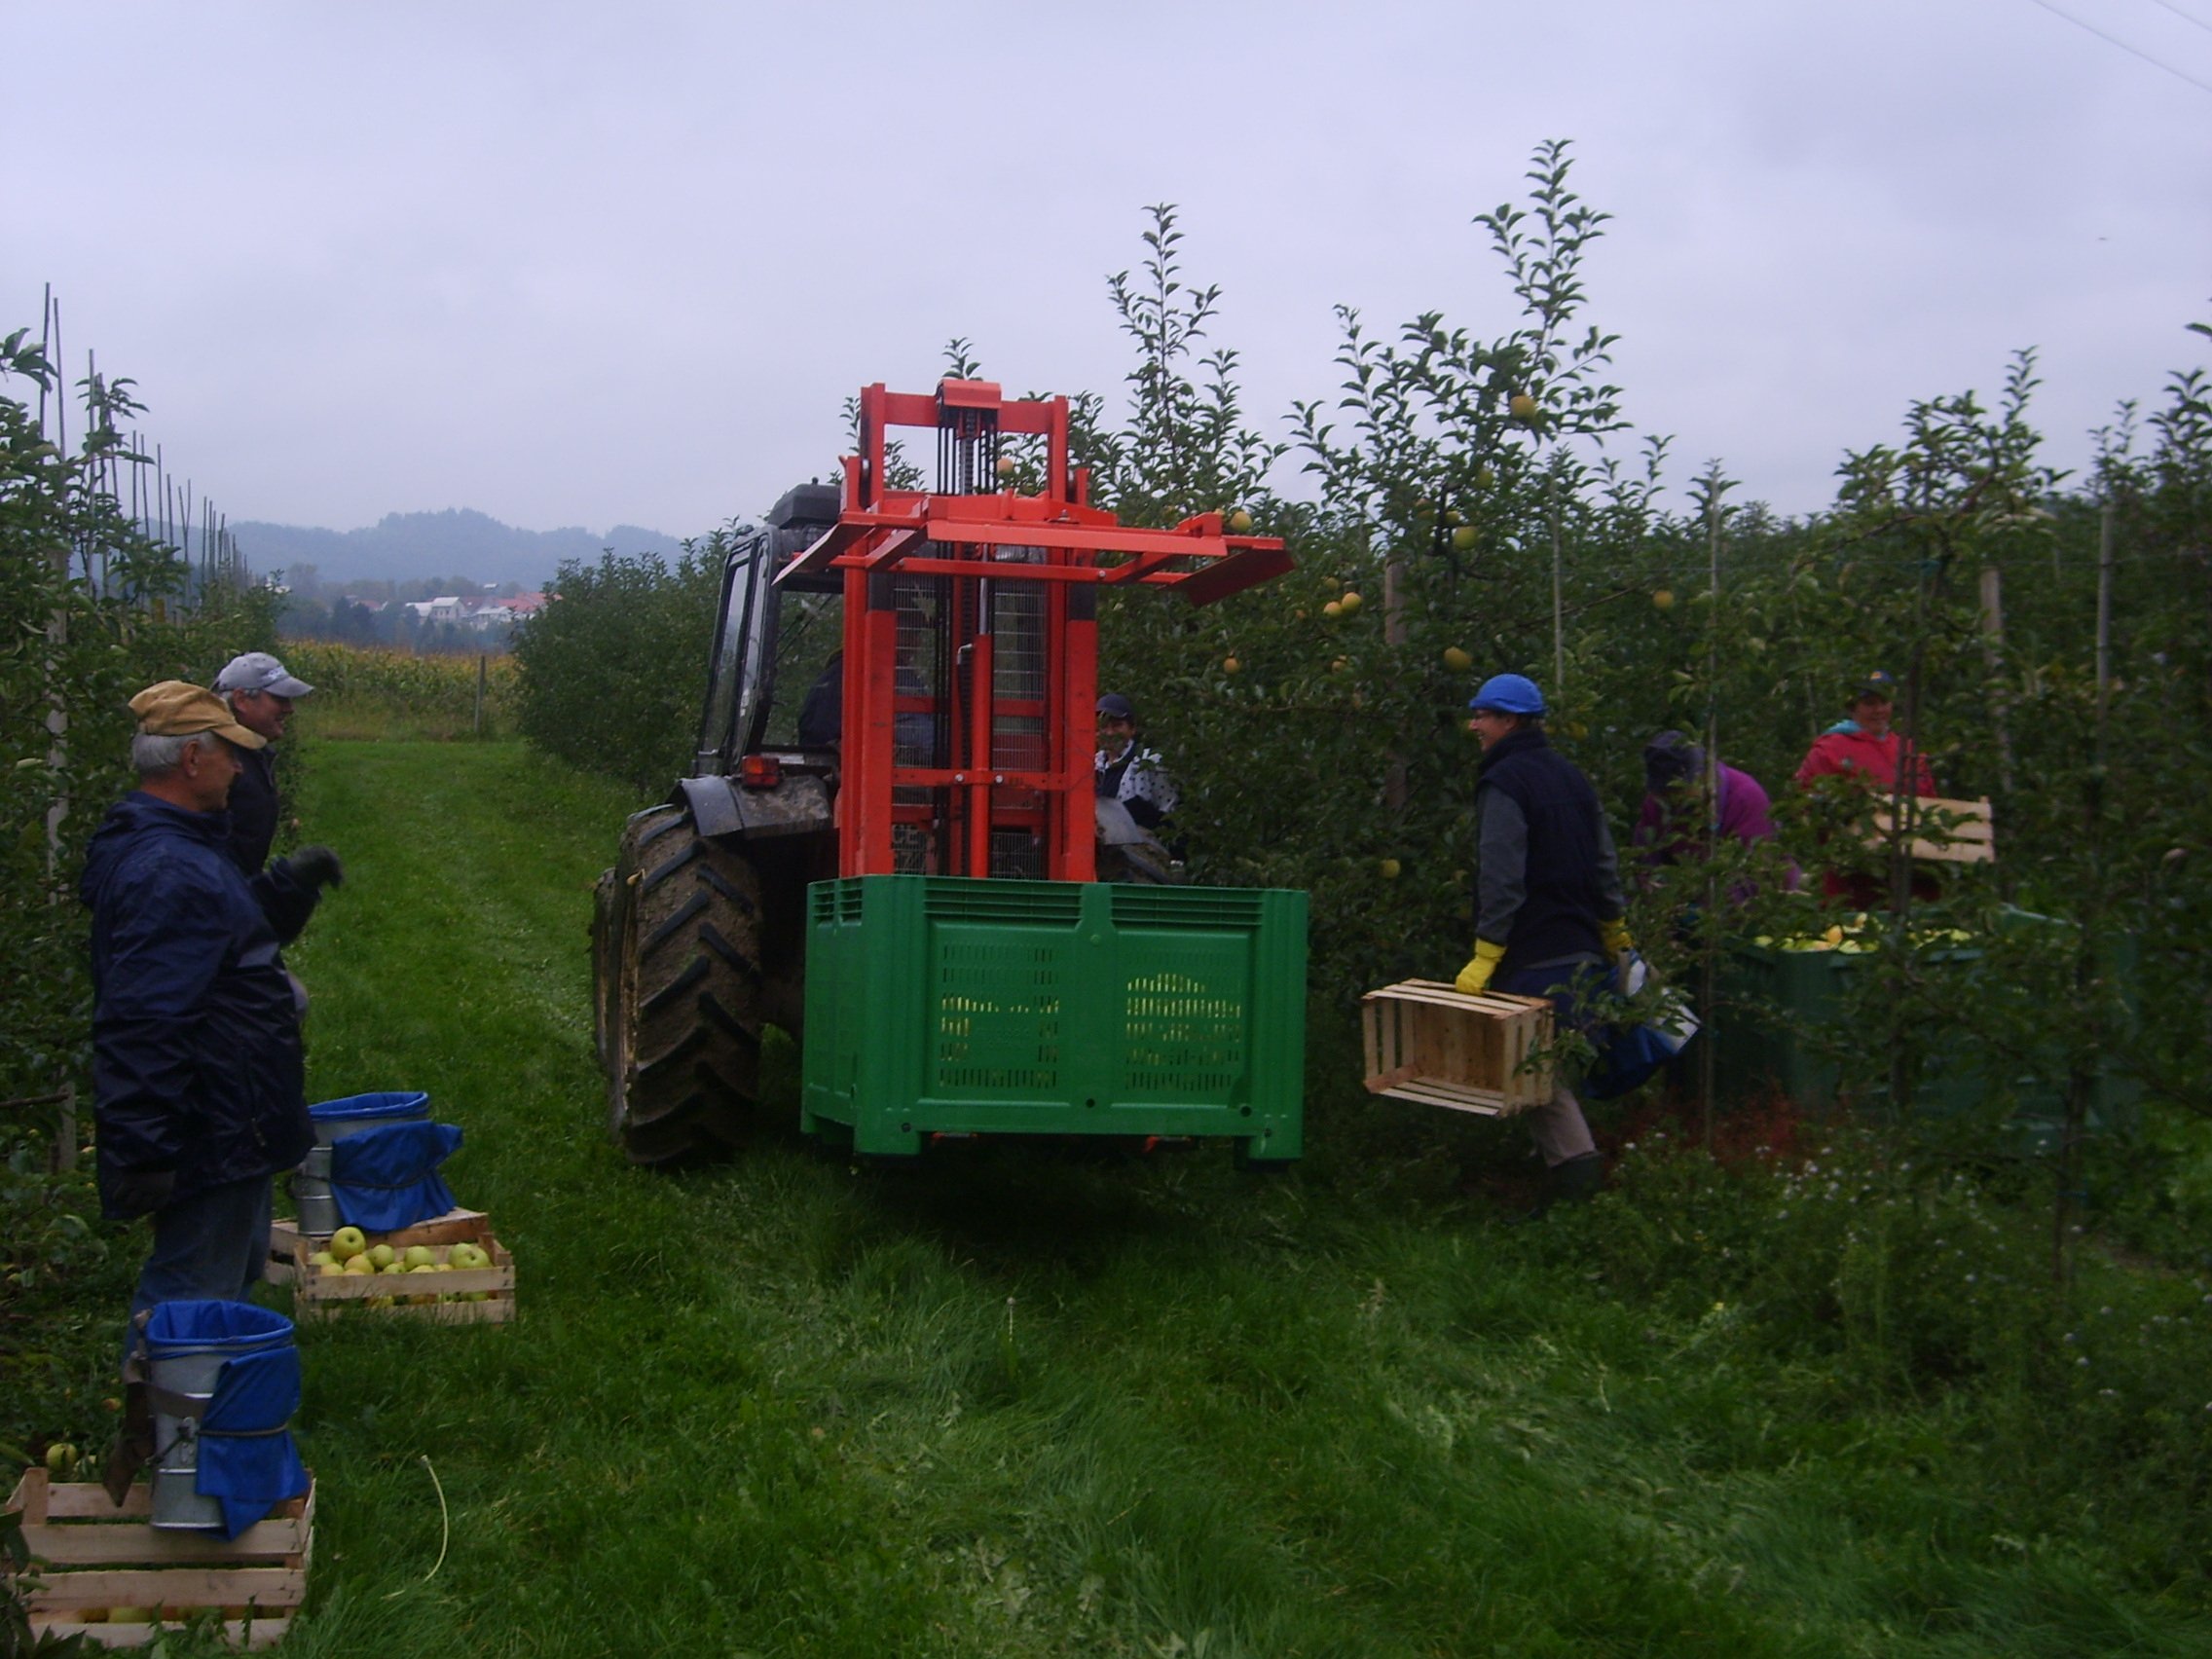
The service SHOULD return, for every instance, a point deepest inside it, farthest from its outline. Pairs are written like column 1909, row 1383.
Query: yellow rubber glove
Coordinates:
column 1619, row 942
column 1474, row 978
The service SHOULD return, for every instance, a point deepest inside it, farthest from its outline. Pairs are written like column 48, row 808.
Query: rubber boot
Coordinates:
column 1573, row 1182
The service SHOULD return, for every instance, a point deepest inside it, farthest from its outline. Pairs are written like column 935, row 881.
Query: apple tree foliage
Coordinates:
column 92, row 609
column 613, row 672
column 1483, row 491
column 1484, row 495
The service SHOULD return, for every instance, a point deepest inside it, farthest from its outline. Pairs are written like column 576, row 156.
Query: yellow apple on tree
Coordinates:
column 1463, row 538
column 1390, row 869
column 1350, row 603
column 1230, row 664
column 1664, row 599
column 1458, row 660
column 1239, row 521
column 1523, row 407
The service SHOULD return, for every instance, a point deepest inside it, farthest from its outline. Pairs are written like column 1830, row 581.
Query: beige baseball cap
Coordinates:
column 178, row 708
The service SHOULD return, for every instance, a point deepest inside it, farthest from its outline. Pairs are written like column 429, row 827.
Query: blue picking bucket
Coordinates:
column 187, row 1346
column 334, row 1120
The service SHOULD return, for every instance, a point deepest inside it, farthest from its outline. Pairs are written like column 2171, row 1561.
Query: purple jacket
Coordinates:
column 1744, row 812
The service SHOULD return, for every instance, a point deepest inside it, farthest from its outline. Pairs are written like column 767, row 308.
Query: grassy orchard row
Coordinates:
column 1011, row 1404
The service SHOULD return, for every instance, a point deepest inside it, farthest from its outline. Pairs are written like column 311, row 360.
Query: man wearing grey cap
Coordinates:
column 260, row 693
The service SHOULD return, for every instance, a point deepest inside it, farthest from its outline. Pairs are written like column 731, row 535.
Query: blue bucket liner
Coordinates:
column 334, row 1120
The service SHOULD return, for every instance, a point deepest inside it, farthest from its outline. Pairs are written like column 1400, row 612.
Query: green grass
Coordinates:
column 1017, row 1401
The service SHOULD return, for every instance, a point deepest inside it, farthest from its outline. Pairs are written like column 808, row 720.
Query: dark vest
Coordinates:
column 1565, row 898
column 253, row 810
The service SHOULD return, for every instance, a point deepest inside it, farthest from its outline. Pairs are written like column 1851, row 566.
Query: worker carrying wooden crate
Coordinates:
column 1549, row 915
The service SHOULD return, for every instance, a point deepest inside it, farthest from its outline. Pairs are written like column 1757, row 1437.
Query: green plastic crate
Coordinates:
column 945, row 1005
column 1772, row 1003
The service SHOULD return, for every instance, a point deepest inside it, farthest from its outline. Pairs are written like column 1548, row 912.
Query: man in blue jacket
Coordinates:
column 1548, row 903
column 198, row 1081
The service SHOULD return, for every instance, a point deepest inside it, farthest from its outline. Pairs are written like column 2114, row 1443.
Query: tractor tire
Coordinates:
column 682, row 992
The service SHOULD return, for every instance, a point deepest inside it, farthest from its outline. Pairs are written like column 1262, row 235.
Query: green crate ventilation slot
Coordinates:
column 1025, row 903
column 997, row 1016
column 1186, row 1026
column 1185, row 907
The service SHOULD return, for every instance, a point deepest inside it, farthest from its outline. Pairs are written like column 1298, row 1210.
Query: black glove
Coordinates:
column 140, row 1191
column 315, row 866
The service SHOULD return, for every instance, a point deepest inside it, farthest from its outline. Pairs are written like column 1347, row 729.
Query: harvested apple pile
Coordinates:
column 1858, row 935
column 351, row 1252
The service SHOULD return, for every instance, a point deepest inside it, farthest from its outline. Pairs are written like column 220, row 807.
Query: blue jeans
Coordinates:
column 211, row 1247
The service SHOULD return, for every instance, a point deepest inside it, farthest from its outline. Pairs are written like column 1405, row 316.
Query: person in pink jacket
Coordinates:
column 1870, row 752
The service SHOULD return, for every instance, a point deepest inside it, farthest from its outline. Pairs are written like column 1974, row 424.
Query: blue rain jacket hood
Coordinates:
column 196, row 1070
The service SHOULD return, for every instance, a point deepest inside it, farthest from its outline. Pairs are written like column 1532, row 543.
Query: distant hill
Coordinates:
column 457, row 542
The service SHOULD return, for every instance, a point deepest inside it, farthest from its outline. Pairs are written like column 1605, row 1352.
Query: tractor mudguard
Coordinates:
column 720, row 807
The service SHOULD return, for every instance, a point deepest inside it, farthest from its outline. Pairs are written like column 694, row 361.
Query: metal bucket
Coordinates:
column 311, row 1200
column 191, row 1369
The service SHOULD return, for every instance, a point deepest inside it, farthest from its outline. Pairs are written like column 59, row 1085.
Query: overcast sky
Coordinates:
column 596, row 263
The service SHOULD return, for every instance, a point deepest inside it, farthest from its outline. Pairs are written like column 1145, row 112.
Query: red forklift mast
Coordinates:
column 971, row 636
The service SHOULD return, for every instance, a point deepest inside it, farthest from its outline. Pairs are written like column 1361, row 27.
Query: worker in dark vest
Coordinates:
column 1549, row 915
column 260, row 692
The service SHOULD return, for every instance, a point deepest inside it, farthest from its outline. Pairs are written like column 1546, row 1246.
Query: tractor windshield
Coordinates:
column 810, row 629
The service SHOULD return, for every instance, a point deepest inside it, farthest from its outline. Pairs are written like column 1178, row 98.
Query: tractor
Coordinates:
column 889, row 843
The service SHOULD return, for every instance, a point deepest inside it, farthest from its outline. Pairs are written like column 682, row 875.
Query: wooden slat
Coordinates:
column 140, row 1543
column 1479, row 1102
column 171, row 1587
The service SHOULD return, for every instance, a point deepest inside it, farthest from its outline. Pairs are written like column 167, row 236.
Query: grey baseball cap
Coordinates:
column 258, row 671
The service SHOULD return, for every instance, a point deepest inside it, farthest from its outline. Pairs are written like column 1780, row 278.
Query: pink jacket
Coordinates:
column 1843, row 753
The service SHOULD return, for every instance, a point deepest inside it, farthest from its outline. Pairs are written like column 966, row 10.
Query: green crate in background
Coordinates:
column 945, row 1005
column 1775, row 1006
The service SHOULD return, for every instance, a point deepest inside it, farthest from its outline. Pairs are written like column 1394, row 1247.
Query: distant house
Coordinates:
column 446, row 609
column 526, row 604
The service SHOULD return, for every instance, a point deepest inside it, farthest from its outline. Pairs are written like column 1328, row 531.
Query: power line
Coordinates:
column 2185, row 17
column 2131, row 50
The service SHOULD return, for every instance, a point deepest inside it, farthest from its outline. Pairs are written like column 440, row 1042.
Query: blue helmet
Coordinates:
column 1509, row 694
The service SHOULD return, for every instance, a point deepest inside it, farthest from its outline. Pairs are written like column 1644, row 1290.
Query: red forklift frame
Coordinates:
column 1008, row 767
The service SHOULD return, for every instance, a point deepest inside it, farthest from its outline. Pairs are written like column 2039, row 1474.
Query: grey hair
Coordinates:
column 152, row 755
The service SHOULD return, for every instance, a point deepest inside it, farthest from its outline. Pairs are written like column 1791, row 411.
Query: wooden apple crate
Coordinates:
column 1429, row 1043
column 316, row 1295
column 92, row 1557
column 1964, row 833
